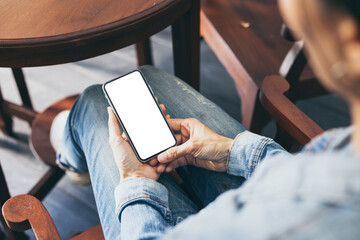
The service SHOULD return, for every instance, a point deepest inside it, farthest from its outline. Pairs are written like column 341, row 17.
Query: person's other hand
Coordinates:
column 128, row 164
column 198, row 146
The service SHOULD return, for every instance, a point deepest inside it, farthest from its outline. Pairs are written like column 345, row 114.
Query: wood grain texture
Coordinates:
column 23, row 212
column 248, row 54
column 20, row 19
column 287, row 115
column 80, row 32
column 94, row 233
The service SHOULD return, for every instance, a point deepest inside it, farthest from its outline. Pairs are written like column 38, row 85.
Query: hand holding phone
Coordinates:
column 140, row 116
column 128, row 164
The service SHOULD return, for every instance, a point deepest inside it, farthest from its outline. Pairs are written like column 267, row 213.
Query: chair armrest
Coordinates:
column 94, row 233
column 296, row 123
column 23, row 212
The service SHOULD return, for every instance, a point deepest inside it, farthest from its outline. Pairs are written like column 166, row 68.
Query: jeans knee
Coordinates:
column 92, row 91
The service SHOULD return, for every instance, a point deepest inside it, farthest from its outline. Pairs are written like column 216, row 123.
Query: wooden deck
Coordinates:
column 73, row 207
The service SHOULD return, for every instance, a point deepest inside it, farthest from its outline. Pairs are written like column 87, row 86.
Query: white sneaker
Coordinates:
column 56, row 136
column 57, row 129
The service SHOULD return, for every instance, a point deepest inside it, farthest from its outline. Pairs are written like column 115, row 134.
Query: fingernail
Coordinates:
column 161, row 158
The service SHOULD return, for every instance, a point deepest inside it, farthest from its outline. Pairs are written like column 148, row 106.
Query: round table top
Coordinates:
column 48, row 32
column 24, row 19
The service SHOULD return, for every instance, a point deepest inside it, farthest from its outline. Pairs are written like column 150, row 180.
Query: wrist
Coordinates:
column 225, row 148
column 138, row 174
column 224, row 145
column 126, row 177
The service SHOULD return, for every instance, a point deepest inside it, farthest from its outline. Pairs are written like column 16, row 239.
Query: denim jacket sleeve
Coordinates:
column 248, row 150
column 142, row 209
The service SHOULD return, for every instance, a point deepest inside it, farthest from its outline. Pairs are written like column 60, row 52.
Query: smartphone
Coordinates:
column 139, row 115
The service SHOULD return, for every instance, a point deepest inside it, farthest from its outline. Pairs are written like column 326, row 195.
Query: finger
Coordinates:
column 114, row 130
column 161, row 168
column 175, row 124
column 153, row 162
column 175, row 152
column 168, row 116
column 163, row 109
column 157, row 99
column 169, row 168
column 124, row 136
column 178, row 138
column 175, row 164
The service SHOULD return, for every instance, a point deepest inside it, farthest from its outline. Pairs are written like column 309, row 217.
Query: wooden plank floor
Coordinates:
column 72, row 207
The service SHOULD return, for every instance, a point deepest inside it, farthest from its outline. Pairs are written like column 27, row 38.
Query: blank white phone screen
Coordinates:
column 140, row 116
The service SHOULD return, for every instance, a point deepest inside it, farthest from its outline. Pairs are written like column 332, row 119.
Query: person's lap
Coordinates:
column 85, row 146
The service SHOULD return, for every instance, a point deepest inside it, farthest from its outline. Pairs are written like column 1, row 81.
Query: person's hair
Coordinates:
column 350, row 6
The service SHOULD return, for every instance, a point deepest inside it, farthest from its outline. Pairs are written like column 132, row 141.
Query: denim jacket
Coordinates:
column 314, row 194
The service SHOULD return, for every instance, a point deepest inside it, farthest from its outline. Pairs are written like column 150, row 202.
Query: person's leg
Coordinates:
column 85, row 147
column 182, row 101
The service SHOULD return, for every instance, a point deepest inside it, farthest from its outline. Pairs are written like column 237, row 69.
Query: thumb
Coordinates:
column 175, row 152
column 114, row 130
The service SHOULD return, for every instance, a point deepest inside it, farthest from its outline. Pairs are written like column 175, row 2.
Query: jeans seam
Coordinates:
column 73, row 128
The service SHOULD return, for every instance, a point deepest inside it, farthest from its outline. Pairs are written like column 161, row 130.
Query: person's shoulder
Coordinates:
column 333, row 139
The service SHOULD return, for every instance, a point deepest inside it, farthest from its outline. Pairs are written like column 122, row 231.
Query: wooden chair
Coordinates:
column 4, row 196
column 23, row 212
column 244, row 35
column 302, row 84
column 288, row 116
column 41, row 146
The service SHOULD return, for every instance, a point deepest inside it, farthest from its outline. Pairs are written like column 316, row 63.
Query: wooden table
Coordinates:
column 248, row 54
column 45, row 32
column 48, row 32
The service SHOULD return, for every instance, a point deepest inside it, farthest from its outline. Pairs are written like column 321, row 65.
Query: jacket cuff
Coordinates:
column 247, row 151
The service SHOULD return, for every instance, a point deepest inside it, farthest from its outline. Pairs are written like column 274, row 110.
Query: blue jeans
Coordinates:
column 85, row 148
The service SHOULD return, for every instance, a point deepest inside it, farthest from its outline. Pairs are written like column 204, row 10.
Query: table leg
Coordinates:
column 6, row 122
column 23, row 90
column 186, row 46
column 143, row 52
